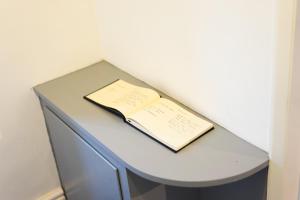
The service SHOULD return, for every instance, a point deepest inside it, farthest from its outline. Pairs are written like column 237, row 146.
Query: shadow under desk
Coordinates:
column 98, row 156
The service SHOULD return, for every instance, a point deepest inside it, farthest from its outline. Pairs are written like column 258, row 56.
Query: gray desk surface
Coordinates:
column 217, row 158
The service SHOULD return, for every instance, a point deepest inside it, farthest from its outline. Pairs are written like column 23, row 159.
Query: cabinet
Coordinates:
column 84, row 173
column 98, row 156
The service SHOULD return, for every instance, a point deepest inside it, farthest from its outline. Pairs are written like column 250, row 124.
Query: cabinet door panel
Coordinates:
column 84, row 173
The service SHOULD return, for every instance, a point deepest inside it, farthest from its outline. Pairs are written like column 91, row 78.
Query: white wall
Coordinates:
column 292, row 153
column 214, row 56
column 39, row 40
column 291, row 168
column 284, row 40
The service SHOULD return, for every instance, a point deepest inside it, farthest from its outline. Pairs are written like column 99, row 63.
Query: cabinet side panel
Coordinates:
column 84, row 173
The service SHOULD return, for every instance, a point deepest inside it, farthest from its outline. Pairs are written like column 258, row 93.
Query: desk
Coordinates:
column 100, row 157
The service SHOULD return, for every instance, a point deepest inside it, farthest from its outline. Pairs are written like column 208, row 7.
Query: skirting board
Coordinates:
column 299, row 189
column 56, row 194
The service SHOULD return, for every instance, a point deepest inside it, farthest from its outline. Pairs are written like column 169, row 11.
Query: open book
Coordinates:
column 158, row 117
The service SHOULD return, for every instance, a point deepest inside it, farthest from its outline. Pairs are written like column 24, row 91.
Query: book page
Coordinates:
column 123, row 96
column 169, row 123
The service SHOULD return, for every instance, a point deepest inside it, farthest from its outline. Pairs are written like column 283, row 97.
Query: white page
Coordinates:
column 123, row 96
column 169, row 123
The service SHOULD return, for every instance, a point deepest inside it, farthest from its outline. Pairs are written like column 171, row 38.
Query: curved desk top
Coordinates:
column 216, row 158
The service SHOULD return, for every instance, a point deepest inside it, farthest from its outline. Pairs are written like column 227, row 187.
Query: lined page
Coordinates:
column 171, row 124
column 123, row 96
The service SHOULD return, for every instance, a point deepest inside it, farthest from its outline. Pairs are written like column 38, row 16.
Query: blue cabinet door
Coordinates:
column 84, row 173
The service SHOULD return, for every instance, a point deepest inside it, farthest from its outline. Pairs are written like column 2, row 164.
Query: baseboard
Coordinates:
column 55, row 194
column 299, row 189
